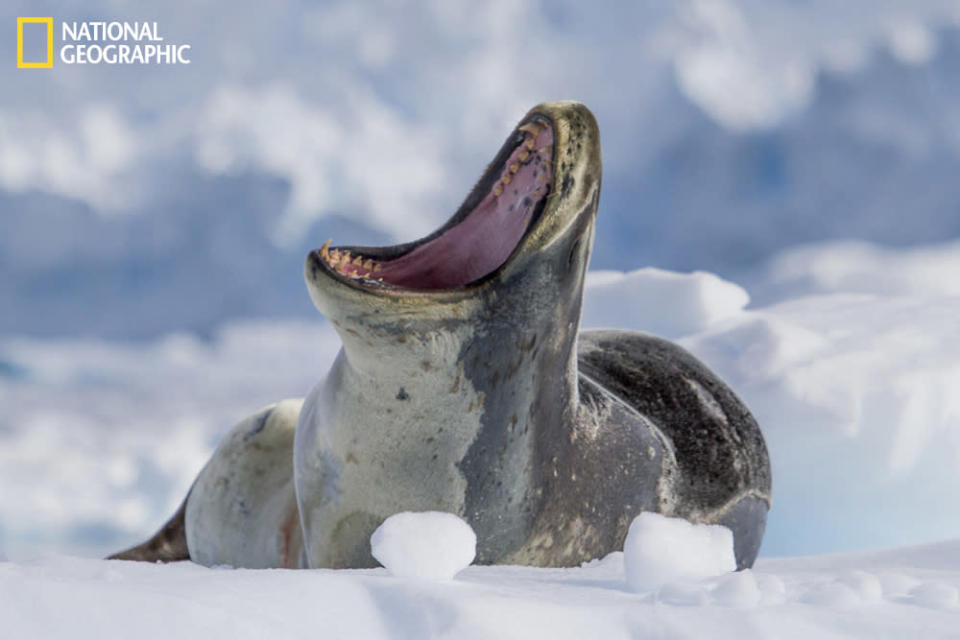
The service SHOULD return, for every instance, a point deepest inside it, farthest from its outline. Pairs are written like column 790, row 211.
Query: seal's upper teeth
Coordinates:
column 524, row 155
column 497, row 190
column 506, row 178
column 514, row 167
column 530, row 144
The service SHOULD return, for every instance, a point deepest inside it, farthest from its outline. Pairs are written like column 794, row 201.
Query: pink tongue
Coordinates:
column 488, row 235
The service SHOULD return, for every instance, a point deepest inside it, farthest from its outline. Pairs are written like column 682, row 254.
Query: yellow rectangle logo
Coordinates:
column 34, row 65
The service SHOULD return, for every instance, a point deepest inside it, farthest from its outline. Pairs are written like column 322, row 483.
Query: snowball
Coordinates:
column 659, row 550
column 430, row 545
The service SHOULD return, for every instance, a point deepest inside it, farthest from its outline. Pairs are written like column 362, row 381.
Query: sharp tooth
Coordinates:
column 544, row 149
column 346, row 257
column 532, row 128
column 506, row 178
column 358, row 261
column 530, row 144
column 377, row 267
column 524, row 155
column 497, row 190
column 379, row 279
column 325, row 249
column 514, row 167
column 368, row 265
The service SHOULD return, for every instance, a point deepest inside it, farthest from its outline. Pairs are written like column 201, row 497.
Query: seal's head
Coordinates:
column 540, row 191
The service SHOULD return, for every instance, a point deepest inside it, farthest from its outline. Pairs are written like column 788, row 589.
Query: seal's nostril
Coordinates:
column 574, row 251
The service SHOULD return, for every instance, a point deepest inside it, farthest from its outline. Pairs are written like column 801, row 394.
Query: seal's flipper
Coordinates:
column 169, row 544
column 242, row 509
column 724, row 468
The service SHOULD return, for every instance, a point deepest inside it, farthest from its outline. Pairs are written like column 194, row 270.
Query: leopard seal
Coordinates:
column 464, row 386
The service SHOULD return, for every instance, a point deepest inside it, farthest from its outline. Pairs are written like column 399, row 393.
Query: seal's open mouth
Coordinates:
column 479, row 239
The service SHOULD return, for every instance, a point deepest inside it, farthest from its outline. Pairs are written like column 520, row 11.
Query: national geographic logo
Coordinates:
column 97, row 42
column 48, row 27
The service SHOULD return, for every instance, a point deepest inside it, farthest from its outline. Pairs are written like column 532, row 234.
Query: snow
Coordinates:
column 430, row 545
column 801, row 598
column 742, row 590
column 936, row 595
column 856, row 396
column 659, row 550
column 666, row 303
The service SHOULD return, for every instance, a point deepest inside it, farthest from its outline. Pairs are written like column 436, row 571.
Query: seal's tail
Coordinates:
column 169, row 544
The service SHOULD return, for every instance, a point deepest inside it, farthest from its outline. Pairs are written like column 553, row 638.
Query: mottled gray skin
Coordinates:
column 483, row 402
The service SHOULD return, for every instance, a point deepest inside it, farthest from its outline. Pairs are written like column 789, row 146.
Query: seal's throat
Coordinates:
column 480, row 238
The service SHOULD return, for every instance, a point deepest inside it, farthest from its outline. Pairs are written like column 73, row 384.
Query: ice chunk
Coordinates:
column 429, row 545
column 666, row 303
column 659, row 550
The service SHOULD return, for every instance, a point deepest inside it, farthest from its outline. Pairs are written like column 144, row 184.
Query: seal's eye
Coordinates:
column 477, row 242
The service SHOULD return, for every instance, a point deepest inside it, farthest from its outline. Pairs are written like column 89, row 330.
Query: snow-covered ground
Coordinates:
column 907, row 593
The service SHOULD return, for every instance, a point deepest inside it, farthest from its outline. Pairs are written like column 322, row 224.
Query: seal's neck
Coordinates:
column 465, row 400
